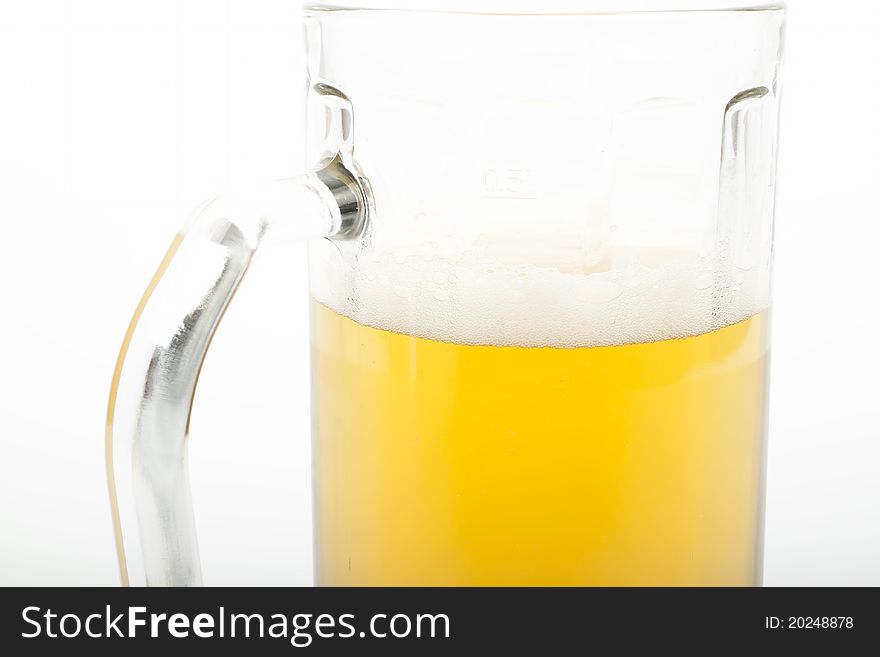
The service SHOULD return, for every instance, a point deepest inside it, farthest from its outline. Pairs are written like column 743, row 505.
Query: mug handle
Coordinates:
column 154, row 382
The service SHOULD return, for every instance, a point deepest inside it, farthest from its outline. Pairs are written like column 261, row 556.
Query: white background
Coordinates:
column 117, row 116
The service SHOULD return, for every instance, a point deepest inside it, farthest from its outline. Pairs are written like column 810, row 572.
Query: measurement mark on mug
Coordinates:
column 509, row 183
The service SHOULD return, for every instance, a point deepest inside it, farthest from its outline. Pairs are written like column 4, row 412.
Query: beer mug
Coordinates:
column 540, row 264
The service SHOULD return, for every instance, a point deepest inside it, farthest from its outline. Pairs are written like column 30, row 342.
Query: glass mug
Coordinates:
column 540, row 264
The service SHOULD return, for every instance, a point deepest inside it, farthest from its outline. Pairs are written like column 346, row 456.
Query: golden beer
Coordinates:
column 448, row 464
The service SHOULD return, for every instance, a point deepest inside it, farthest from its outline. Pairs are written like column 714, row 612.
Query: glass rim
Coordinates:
column 569, row 8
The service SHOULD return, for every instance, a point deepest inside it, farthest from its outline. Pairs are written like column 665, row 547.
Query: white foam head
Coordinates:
column 534, row 299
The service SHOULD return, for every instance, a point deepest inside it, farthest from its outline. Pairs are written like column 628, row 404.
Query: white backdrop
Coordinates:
column 117, row 116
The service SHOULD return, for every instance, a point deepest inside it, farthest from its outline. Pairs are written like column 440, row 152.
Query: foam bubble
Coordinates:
column 475, row 299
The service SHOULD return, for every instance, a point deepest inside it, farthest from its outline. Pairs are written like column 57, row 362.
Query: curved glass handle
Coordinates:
column 165, row 345
column 163, row 350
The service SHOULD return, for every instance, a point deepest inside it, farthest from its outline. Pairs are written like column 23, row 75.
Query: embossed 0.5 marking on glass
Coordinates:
column 508, row 183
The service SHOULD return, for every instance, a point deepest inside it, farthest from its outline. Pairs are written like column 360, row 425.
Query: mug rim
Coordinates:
column 601, row 8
